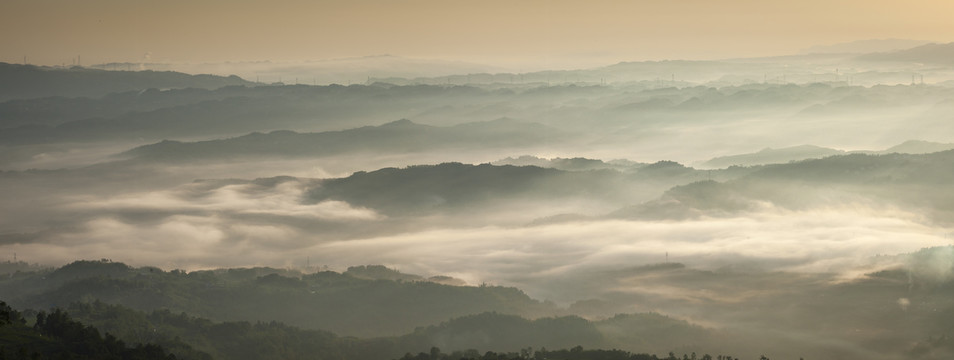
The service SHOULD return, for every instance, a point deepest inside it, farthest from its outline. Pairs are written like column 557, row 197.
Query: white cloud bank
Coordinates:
column 818, row 241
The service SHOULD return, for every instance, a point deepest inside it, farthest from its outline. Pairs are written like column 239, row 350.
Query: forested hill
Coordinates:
column 266, row 313
column 359, row 303
column 56, row 335
column 161, row 333
column 449, row 187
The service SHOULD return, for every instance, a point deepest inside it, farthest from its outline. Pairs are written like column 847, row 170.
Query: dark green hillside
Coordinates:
column 342, row 303
column 450, row 188
column 455, row 186
column 191, row 337
column 56, row 335
column 508, row 333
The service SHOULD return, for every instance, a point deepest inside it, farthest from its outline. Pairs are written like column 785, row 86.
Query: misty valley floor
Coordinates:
column 711, row 215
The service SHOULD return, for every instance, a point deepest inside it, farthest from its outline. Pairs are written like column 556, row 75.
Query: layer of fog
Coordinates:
column 235, row 225
column 750, row 275
column 749, row 272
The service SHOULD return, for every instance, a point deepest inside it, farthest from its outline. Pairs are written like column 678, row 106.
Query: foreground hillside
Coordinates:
column 350, row 303
column 57, row 336
column 256, row 313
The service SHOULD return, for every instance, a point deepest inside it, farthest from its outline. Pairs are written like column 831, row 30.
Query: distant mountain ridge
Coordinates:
column 934, row 53
column 907, row 181
column 803, row 152
column 864, row 46
column 571, row 164
column 918, row 147
column 771, row 156
column 29, row 81
column 345, row 71
column 401, row 136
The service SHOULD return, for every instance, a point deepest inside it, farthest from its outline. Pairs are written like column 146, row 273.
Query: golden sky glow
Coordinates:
column 489, row 31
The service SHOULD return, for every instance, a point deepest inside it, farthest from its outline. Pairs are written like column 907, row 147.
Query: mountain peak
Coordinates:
column 933, row 53
column 400, row 123
column 864, row 46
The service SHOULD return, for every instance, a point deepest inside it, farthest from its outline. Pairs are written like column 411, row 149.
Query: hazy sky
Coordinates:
column 557, row 32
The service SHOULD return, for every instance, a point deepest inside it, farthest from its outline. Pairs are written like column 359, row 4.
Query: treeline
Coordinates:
column 402, row 312
column 55, row 335
column 164, row 335
column 350, row 303
column 575, row 353
column 191, row 337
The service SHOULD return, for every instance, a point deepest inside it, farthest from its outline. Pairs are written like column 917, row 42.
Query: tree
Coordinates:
column 8, row 315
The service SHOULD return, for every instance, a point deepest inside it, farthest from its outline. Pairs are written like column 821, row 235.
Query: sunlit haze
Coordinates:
column 477, row 180
column 521, row 35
